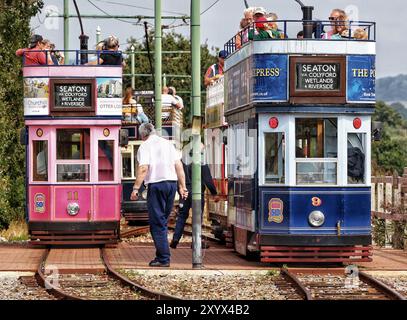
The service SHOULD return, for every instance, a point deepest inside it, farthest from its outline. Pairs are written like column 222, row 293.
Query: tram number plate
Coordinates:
column 67, row 96
column 318, row 76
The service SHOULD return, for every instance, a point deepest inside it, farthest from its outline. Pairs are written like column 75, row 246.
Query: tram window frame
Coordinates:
column 109, row 143
column 84, row 162
column 84, row 154
column 317, row 156
column 35, row 175
column 281, row 152
column 128, row 156
column 362, row 138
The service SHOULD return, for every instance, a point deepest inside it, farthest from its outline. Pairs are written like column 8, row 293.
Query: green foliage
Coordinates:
column 390, row 153
column 172, row 64
column 15, row 33
column 379, row 231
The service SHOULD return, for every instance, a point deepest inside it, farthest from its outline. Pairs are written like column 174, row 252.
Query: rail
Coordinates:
column 367, row 30
column 79, row 59
column 170, row 115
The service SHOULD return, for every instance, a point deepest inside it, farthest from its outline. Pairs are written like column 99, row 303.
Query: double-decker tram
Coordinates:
column 172, row 122
column 72, row 136
column 299, row 145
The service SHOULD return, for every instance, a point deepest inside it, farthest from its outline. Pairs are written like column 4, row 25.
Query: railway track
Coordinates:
column 109, row 285
column 334, row 285
column 134, row 231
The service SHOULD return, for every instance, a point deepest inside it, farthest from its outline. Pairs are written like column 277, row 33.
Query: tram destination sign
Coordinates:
column 318, row 76
column 318, row 79
column 72, row 95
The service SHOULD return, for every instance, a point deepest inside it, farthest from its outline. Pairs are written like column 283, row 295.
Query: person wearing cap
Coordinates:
column 215, row 71
column 33, row 54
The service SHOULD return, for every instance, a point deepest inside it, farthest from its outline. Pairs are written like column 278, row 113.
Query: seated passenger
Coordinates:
column 215, row 71
column 339, row 29
column 300, row 34
column 32, row 55
column 56, row 56
column 169, row 100
column 128, row 99
column 260, row 25
column 111, row 56
column 99, row 47
column 274, row 31
column 173, row 92
column 360, row 34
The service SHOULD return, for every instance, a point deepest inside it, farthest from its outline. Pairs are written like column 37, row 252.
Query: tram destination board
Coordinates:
column 320, row 79
column 72, row 96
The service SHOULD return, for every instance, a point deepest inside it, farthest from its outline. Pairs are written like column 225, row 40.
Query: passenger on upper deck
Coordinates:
column 339, row 30
column 112, row 57
column 173, row 92
column 32, row 55
column 56, row 56
column 141, row 117
column 169, row 100
column 215, row 71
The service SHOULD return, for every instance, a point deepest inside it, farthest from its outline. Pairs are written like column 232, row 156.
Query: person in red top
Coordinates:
column 32, row 54
column 216, row 70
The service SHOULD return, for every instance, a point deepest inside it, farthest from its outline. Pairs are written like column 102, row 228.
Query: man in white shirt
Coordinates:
column 159, row 167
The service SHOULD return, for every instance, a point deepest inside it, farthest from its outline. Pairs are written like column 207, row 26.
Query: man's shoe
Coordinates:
column 155, row 263
column 174, row 244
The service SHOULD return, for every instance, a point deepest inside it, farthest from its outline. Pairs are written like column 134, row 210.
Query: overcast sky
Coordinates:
column 221, row 21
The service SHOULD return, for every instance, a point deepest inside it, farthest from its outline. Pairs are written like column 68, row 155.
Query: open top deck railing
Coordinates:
column 288, row 29
column 75, row 57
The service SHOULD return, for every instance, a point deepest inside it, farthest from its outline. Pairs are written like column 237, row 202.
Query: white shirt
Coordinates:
column 160, row 155
column 168, row 100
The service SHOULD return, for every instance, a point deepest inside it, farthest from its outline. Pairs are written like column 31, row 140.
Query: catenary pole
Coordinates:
column 158, row 65
column 196, row 135
column 66, row 30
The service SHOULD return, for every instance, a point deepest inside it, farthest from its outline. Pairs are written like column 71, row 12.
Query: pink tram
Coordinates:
column 72, row 136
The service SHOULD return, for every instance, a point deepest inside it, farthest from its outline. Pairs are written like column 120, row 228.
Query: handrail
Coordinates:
column 77, row 61
column 247, row 34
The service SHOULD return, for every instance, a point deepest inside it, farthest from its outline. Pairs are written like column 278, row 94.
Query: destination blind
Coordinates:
column 73, row 95
column 318, row 76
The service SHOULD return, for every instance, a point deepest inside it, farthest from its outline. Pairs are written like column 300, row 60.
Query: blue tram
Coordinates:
column 299, row 147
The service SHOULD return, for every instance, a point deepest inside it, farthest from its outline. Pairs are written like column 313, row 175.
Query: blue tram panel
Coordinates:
column 310, row 104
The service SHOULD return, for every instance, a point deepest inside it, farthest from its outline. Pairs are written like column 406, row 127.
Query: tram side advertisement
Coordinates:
column 36, row 95
column 361, row 79
column 109, row 96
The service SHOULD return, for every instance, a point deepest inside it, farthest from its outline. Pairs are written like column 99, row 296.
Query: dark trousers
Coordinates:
column 183, row 214
column 160, row 200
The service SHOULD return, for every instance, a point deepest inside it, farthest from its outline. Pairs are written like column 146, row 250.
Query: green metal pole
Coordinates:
column 133, row 67
column 66, row 30
column 196, row 136
column 157, row 65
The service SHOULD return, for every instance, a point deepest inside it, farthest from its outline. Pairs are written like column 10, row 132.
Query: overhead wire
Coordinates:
column 207, row 9
column 140, row 7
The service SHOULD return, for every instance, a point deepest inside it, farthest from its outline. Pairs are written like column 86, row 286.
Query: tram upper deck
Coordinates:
column 289, row 71
column 73, row 90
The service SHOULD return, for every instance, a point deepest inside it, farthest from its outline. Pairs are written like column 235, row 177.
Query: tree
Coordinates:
column 390, row 153
column 15, row 31
column 175, row 64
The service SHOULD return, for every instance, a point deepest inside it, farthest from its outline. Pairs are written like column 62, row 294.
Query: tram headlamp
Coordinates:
column 72, row 208
column 316, row 218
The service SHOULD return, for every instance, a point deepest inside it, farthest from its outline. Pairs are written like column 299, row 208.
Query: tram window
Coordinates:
column 316, row 172
column 106, row 160
column 274, row 157
column 40, row 160
column 316, row 138
column 356, row 158
column 126, row 165
column 73, row 144
column 72, row 172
